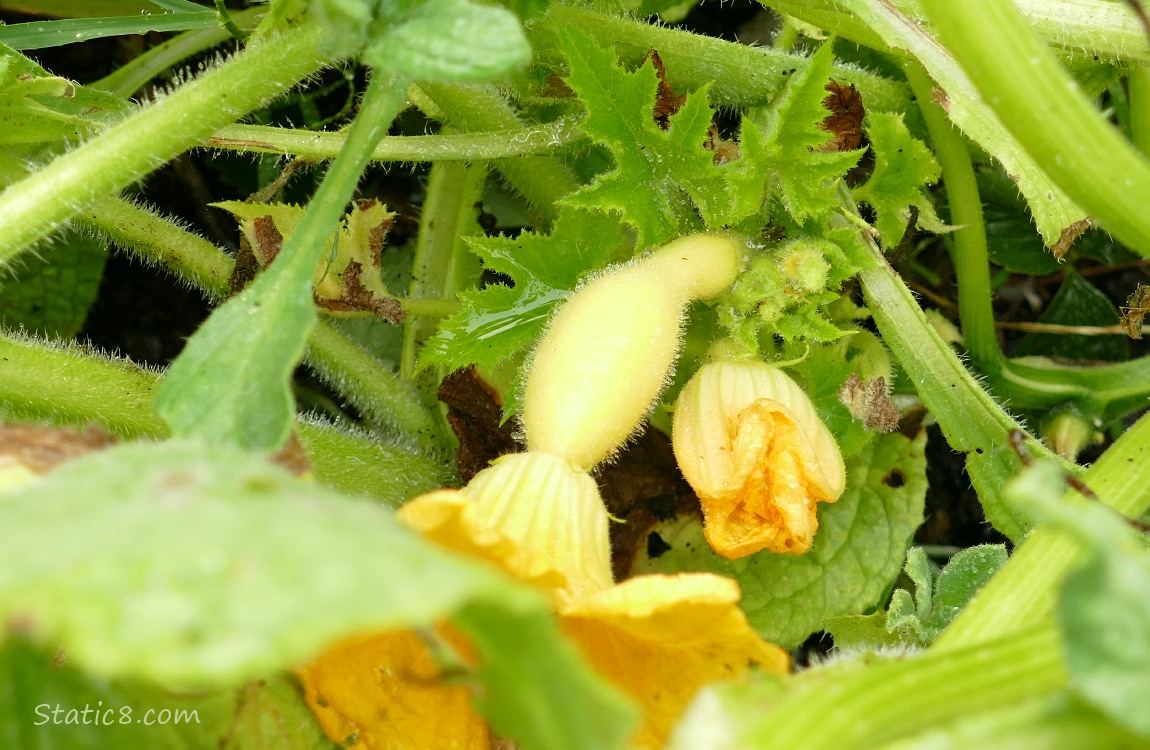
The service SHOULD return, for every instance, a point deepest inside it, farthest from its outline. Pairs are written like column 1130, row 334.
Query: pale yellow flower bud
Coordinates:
column 531, row 513
column 606, row 354
column 756, row 453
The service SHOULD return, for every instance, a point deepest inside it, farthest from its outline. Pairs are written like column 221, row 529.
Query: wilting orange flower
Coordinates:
column 657, row 638
column 756, row 453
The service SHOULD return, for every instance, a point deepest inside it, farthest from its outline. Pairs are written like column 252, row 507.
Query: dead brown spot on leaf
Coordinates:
column 894, row 479
column 667, row 102
column 269, row 241
column 844, row 122
column 474, row 412
column 1136, row 308
column 941, row 99
column 355, row 298
column 40, row 449
column 293, row 457
column 1068, row 236
column 245, row 269
column 725, row 150
column 869, row 403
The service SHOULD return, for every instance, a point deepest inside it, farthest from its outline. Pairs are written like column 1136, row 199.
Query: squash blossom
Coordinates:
column 756, row 453
column 538, row 515
column 658, row 638
column 605, row 356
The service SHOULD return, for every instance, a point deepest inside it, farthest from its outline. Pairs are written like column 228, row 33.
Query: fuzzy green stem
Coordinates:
column 389, row 404
column 1024, row 592
column 448, row 216
column 41, row 382
column 153, row 241
column 123, row 153
column 839, row 706
column 736, row 74
column 386, row 402
column 543, row 180
column 501, row 144
column 1044, row 109
column 968, row 241
column 1099, row 28
column 1138, row 99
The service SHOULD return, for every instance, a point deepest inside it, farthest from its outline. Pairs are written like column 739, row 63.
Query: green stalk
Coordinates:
column 1098, row 28
column 132, row 75
column 386, row 402
column 63, row 385
column 1043, row 108
column 736, row 74
column 123, row 153
column 1024, row 592
column 480, row 146
column 845, row 706
column 448, row 216
column 968, row 241
column 1138, row 99
column 158, row 242
column 543, row 180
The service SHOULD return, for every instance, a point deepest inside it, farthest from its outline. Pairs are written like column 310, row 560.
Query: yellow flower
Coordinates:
column 756, row 453
column 657, row 638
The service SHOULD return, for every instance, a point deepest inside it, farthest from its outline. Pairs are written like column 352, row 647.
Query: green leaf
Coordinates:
column 903, row 169
column 1104, row 604
column 50, row 295
column 41, row 34
column 653, row 167
column 451, row 40
column 857, row 552
column 196, row 567
column 781, row 154
column 1077, row 303
column 231, row 384
column 1016, row 244
column 43, row 701
column 498, row 321
column 938, row 598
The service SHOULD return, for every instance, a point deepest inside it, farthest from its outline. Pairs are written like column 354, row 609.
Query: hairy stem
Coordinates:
column 1044, row 109
column 123, row 153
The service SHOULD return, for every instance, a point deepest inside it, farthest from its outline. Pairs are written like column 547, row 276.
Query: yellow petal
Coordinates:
column 385, row 693
column 755, row 451
column 661, row 638
column 530, row 513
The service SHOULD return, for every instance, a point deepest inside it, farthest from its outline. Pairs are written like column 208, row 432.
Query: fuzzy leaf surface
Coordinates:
column 903, row 169
column 498, row 321
column 858, row 550
column 50, row 295
column 197, row 568
column 653, row 167
column 781, row 155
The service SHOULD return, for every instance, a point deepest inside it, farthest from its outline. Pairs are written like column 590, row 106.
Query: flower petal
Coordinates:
column 755, row 451
column 386, row 692
column 532, row 514
column 661, row 638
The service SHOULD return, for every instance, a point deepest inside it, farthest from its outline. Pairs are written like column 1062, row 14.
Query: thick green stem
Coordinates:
column 736, row 74
column 1097, row 28
column 123, row 153
column 839, row 706
column 501, row 144
column 155, row 241
column 1043, row 108
column 968, row 241
column 1024, row 592
column 1138, row 99
column 42, row 382
column 389, row 404
column 448, row 216
column 542, row 180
